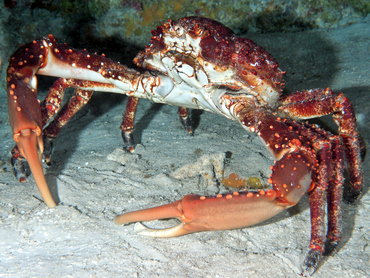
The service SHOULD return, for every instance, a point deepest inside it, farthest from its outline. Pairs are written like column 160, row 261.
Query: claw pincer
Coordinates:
column 25, row 112
column 199, row 213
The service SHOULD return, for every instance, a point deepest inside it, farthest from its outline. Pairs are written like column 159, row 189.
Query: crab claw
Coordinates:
column 228, row 211
column 31, row 147
column 200, row 213
column 26, row 123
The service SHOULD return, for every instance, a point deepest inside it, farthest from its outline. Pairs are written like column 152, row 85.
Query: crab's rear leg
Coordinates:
column 319, row 102
column 315, row 103
column 128, row 122
column 334, row 197
column 317, row 197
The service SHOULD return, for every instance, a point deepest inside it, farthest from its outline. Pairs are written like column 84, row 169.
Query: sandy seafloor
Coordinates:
column 95, row 180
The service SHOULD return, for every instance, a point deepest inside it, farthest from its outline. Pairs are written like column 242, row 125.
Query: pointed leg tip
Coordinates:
column 191, row 131
column 22, row 179
column 129, row 148
column 128, row 140
column 330, row 248
column 310, row 264
column 21, row 169
column 351, row 195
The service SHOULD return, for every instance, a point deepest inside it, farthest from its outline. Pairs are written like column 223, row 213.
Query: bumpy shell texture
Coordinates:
column 208, row 41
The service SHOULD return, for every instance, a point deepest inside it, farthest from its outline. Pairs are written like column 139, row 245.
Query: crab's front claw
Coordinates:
column 25, row 118
column 229, row 211
column 199, row 213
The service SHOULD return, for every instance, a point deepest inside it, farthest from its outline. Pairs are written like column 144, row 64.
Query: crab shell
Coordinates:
column 219, row 57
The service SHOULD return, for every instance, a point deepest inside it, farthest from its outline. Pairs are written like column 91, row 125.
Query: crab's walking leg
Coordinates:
column 334, row 199
column 128, row 121
column 186, row 120
column 315, row 103
column 317, row 199
column 320, row 102
column 75, row 103
column 127, row 125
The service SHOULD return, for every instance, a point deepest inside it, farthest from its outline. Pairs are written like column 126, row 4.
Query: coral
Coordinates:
column 134, row 19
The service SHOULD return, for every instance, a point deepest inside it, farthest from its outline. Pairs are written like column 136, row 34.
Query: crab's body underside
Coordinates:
column 199, row 63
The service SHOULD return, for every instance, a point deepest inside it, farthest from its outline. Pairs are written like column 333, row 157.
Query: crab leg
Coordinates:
column 127, row 125
column 320, row 102
column 128, row 121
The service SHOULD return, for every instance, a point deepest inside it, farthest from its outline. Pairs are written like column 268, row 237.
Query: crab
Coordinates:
column 199, row 63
